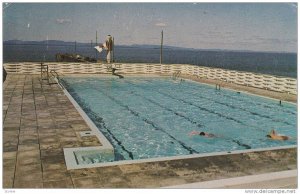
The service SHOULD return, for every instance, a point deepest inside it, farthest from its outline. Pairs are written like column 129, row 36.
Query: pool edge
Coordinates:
column 69, row 153
column 70, row 157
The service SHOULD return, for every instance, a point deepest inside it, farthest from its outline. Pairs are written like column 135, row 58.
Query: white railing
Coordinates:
column 268, row 82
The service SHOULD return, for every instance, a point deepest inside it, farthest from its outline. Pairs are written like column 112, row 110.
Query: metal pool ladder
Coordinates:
column 56, row 75
column 45, row 74
column 112, row 69
column 176, row 75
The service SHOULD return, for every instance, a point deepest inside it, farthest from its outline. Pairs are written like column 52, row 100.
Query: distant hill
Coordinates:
column 64, row 43
column 147, row 46
column 49, row 42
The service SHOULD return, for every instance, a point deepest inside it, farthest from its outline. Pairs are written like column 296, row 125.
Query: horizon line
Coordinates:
column 202, row 49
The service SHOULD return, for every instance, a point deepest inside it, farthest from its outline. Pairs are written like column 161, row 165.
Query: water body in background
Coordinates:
column 280, row 64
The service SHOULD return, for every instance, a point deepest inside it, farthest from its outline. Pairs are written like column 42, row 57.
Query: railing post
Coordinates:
column 161, row 46
column 47, row 74
column 41, row 70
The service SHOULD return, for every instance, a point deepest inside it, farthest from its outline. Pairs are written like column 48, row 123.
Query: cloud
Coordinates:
column 63, row 21
column 160, row 24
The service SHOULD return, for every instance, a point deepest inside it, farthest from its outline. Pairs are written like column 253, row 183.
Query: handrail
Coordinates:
column 176, row 74
column 45, row 69
column 113, row 68
column 109, row 67
column 56, row 75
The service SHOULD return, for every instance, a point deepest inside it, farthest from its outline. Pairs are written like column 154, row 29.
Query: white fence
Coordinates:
column 268, row 82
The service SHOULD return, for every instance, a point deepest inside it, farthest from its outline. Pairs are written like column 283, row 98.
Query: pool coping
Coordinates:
column 72, row 165
column 70, row 157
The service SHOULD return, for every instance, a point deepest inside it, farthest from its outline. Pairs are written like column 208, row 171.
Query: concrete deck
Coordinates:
column 286, row 179
column 39, row 121
column 251, row 90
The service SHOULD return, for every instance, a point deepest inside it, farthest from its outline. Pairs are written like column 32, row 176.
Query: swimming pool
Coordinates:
column 151, row 117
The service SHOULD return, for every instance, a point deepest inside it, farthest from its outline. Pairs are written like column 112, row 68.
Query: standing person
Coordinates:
column 108, row 46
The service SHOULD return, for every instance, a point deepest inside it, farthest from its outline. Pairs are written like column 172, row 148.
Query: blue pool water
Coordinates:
column 152, row 117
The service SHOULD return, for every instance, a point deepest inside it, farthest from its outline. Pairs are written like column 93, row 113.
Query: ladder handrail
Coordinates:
column 44, row 69
column 176, row 74
column 56, row 75
column 113, row 68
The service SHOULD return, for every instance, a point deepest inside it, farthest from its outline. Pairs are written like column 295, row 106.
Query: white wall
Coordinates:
column 274, row 83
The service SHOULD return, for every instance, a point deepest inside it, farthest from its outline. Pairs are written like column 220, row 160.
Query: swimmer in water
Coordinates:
column 275, row 136
column 210, row 135
column 204, row 134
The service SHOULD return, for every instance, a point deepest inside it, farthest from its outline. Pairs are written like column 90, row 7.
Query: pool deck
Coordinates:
column 250, row 90
column 39, row 121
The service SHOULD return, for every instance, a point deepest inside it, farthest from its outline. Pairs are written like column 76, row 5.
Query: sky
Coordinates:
column 231, row 26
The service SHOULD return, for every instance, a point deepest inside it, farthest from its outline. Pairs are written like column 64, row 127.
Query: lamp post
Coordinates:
column 161, row 46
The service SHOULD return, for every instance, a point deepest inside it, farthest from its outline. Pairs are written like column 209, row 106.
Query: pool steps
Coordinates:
column 81, row 156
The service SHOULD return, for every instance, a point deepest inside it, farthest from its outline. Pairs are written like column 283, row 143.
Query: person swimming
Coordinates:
column 273, row 135
column 202, row 133
column 210, row 135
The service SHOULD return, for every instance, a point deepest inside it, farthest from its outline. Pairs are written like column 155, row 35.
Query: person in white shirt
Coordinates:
column 108, row 46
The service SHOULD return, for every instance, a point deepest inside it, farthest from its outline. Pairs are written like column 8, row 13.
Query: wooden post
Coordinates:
column 161, row 46
column 96, row 44
column 113, row 49
column 96, row 37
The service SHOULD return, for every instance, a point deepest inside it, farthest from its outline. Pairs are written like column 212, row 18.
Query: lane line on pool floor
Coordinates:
column 259, row 104
column 99, row 121
column 199, row 107
column 200, row 125
column 235, row 97
column 191, row 150
column 235, row 107
column 229, row 139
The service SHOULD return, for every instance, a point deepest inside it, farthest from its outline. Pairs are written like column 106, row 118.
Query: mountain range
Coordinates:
column 64, row 43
